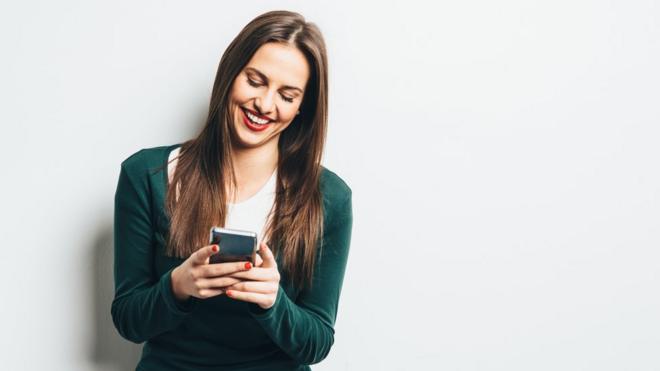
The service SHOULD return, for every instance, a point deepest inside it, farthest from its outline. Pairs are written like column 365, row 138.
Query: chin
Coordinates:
column 245, row 138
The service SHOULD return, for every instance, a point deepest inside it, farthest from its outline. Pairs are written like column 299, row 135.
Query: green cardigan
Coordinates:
column 217, row 333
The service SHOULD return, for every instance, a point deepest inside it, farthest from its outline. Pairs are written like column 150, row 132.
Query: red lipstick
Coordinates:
column 258, row 115
column 252, row 126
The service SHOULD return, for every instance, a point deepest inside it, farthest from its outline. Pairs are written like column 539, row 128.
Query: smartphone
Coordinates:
column 235, row 245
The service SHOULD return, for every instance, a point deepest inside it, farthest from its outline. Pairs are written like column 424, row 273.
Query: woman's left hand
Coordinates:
column 260, row 284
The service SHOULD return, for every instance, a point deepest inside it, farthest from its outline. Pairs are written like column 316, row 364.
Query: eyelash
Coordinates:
column 255, row 84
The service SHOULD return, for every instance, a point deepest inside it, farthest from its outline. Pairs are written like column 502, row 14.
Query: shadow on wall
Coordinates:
column 109, row 348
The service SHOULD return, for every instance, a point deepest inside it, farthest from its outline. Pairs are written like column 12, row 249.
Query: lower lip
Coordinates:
column 252, row 126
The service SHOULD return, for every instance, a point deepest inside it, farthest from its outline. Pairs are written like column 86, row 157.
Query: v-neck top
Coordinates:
column 218, row 333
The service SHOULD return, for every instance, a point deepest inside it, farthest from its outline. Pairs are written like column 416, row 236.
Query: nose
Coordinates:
column 265, row 103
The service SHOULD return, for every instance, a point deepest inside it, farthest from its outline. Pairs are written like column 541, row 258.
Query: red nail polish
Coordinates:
column 229, row 293
column 248, row 265
column 215, row 248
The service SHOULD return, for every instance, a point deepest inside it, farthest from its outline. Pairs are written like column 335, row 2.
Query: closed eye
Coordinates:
column 253, row 83
column 257, row 84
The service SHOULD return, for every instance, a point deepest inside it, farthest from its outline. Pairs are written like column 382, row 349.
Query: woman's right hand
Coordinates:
column 196, row 277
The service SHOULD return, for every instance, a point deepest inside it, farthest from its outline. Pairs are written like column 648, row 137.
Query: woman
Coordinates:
column 255, row 165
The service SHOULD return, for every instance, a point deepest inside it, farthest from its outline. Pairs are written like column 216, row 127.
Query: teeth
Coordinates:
column 255, row 119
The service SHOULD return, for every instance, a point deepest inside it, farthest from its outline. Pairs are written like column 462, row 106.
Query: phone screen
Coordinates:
column 234, row 245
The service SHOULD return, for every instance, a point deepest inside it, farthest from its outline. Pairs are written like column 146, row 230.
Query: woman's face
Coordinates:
column 267, row 93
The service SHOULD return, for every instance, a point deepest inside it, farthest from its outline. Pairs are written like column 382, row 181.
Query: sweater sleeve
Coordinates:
column 304, row 329
column 144, row 304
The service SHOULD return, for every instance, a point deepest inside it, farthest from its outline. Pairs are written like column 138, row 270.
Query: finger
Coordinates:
column 257, row 274
column 258, row 261
column 267, row 256
column 208, row 293
column 223, row 269
column 203, row 254
column 254, row 286
column 252, row 297
column 214, row 283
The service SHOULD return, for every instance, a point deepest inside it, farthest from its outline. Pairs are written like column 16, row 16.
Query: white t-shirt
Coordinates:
column 247, row 215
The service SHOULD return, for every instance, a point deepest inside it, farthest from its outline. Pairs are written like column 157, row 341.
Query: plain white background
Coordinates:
column 503, row 158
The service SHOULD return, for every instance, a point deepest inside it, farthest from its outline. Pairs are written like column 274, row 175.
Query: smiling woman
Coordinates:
column 261, row 99
column 256, row 165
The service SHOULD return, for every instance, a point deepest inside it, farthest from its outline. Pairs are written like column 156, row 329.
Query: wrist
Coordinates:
column 176, row 290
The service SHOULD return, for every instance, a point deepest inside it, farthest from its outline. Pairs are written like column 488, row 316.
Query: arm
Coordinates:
column 144, row 305
column 304, row 328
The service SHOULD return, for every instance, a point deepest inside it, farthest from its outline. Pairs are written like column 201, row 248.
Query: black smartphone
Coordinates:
column 235, row 245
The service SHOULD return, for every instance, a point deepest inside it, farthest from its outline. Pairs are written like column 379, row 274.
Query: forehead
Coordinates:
column 282, row 64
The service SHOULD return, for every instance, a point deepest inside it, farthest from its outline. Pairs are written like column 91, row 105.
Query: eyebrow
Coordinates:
column 261, row 75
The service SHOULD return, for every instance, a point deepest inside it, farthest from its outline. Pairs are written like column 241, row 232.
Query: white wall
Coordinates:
column 503, row 158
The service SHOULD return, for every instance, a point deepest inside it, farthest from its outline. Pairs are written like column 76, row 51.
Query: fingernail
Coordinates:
column 248, row 265
column 215, row 248
column 229, row 293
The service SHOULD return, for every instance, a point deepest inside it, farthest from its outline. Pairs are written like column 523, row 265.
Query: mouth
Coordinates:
column 254, row 122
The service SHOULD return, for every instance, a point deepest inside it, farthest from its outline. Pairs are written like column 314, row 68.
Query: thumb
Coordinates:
column 203, row 254
column 258, row 261
column 267, row 256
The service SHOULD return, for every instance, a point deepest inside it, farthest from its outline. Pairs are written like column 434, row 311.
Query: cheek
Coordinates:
column 289, row 113
column 238, row 93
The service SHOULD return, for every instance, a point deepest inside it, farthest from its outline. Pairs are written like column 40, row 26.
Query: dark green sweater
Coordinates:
column 217, row 333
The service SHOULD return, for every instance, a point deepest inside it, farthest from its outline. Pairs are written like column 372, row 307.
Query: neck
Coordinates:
column 254, row 164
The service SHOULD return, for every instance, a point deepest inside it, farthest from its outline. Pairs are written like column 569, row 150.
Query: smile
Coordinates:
column 253, row 122
column 255, row 119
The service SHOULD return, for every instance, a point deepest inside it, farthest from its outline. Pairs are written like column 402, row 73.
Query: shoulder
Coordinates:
column 146, row 160
column 337, row 197
column 333, row 187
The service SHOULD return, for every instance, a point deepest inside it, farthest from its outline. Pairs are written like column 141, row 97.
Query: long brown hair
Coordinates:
column 295, row 226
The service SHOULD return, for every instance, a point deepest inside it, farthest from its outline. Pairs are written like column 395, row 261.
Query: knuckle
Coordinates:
column 194, row 256
column 194, row 275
